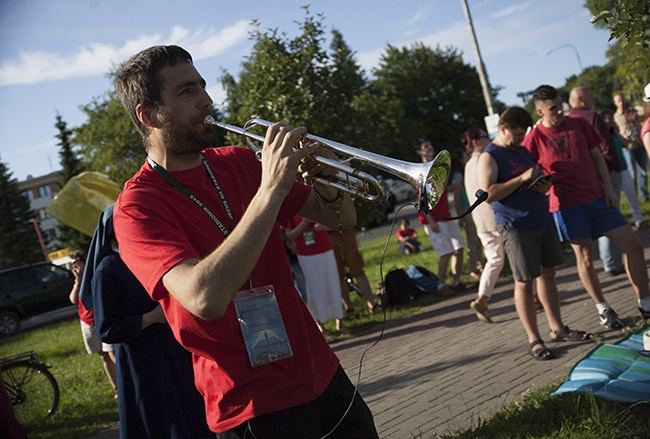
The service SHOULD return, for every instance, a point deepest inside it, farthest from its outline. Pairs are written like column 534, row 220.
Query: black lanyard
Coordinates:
column 164, row 174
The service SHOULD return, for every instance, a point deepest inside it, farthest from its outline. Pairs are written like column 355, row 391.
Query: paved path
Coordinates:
column 443, row 370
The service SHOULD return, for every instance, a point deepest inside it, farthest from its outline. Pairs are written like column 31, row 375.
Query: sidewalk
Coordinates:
column 443, row 370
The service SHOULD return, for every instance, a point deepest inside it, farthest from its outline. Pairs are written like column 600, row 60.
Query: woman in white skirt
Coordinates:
column 318, row 264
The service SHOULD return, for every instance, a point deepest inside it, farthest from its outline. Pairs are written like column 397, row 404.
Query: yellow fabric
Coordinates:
column 79, row 203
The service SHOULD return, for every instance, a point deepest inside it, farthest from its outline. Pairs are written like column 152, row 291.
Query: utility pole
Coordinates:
column 485, row 85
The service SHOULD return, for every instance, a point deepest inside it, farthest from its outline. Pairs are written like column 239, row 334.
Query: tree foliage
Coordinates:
column 601, row 80
column 629, row 25
column 70, row 163
column 108, row 141
column 628, row 20
column 71, row 166
column 299, row 82
column 295, row 80
column 438, row 94
column 19, row 243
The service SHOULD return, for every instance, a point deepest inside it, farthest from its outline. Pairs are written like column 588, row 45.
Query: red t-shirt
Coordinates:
column 566, row 152
column 408, row 233
column 442, row 208
column 85, row 315
column 157, row 227
column 310, row 242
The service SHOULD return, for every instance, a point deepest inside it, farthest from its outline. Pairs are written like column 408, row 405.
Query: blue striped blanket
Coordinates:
column 618, row 372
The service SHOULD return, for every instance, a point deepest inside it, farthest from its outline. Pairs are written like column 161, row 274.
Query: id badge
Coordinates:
column 261, row 325
column 308, row 236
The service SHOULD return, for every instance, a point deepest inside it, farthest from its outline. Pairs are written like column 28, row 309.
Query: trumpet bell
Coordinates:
column 433, row 183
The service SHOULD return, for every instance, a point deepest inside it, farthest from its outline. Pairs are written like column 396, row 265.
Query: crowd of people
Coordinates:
column 203, row 236
column 537, row 203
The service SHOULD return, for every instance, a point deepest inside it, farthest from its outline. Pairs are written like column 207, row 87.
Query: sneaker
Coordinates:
column 616, row 271
column 481, row 311
column 609, row 319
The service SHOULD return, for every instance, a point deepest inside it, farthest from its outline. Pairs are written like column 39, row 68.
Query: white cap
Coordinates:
column 646, row 91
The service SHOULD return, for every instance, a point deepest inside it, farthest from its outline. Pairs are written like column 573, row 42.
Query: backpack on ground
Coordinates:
column 425, row 280
column 399, row 287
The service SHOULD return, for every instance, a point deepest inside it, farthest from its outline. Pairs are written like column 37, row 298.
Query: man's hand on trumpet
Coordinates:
column 280, row 159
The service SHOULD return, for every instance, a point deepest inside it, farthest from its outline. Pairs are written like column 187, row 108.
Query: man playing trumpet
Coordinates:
column 199, row 227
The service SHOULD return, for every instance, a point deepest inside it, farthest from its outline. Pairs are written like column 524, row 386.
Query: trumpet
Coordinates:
column 428, row 178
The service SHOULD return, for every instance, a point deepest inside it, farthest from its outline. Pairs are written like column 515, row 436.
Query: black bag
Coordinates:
column 399, row 287
column 427, row 282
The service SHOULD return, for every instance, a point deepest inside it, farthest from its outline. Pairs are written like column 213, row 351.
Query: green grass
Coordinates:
column 87, row 405
column 569, row 416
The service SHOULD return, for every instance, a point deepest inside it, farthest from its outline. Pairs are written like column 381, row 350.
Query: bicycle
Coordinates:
column 32, row 389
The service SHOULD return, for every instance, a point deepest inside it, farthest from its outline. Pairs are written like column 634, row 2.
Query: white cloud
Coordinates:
column 96, row 59
column 524, row 29
column 511, row 10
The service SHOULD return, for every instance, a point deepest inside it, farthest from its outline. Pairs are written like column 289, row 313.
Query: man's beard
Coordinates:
column 512, row 146
column 185, row 139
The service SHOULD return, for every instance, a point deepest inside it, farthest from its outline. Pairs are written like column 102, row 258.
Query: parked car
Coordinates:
column 400, row 190
column 29, row 290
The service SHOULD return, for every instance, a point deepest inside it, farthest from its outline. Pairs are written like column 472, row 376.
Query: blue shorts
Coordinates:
column 587, row 221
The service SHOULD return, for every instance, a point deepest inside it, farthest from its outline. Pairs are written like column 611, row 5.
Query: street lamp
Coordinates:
column 571, row 46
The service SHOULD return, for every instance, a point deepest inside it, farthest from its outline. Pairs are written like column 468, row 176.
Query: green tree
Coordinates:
column 19, row 243
column 438, row 93
column 628, row 20
column 284, row 79
column 601, row 80
column 299, row 82
column 108, row 142
column 629, row 25
column 71, row 166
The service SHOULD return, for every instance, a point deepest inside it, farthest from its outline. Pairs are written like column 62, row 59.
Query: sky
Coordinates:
column 55, row 54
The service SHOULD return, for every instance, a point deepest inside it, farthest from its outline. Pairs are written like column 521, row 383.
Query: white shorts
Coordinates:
column 92, row 341
column 447, row 240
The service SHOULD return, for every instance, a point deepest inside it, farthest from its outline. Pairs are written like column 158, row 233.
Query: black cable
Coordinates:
column 480, row 195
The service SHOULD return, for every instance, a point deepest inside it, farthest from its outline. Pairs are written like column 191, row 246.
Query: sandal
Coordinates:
column 542, row 353
column 567, row 334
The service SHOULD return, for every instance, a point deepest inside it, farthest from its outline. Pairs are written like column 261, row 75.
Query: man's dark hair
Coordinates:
column 78, row 255
column 418, row 143
column 516, row 118
column 544, row 93
column 468, row 137
column 138, row 79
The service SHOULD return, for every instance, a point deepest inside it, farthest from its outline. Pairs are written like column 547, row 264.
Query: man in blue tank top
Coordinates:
column 517, row 192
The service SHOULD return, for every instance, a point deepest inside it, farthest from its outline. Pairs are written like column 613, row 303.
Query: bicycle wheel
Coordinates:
column 33, row 391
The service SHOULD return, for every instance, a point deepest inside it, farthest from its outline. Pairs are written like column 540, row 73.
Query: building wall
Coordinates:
column 40, row 191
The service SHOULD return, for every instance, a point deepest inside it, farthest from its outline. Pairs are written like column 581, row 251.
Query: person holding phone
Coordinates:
column 505, row 171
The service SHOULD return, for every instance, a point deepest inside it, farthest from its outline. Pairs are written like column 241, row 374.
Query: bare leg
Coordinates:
column 108, row 360
column 526, row 309
column 585, row 264
column 550, row 298
column 345, row 294
column 635, row 264
column 366, row 292
column 443, row 264
column 457, row 264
